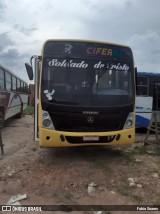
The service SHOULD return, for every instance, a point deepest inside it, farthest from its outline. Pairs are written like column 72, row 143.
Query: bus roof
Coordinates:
column 81, row 40
column 87, row 48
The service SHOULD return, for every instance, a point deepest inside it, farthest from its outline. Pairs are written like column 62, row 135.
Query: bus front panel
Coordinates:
column 87, row 94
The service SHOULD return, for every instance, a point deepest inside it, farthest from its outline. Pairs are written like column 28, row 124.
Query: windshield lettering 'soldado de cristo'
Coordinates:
column 83, row 64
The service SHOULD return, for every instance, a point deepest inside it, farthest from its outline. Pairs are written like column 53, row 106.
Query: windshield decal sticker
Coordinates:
column 68, row 48
column 48, row 94
column 85, row 84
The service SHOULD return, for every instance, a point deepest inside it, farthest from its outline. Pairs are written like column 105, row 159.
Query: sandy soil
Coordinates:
column 119, row 175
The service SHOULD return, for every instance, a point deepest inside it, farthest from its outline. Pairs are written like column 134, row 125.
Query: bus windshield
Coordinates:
column 82, row 80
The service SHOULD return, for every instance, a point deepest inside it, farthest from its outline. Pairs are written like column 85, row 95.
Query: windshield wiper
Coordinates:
column 62, row 102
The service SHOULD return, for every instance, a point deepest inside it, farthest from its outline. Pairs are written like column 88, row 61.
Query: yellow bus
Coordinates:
column 85, row 93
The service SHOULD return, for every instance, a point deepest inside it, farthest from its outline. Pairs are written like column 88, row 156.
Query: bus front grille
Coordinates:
column 77, row 122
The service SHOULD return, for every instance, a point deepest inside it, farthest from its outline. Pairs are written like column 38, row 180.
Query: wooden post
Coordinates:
column 154, row 126
column 1, row 143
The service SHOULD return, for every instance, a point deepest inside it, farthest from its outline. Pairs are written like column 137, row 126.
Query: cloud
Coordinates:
column 25, row 25
column 2, row 8
column 2, row 5
column 117, row 21
column 11, row 59
column 147, row 51
column 5, row 41
column 25, row 30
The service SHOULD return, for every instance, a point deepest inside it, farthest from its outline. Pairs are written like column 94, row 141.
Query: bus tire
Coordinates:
column 1, row 118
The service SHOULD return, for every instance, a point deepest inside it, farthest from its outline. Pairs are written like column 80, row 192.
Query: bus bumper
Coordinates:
column 53, row 138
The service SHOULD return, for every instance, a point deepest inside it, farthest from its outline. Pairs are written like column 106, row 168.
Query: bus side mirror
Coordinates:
column 29, row 71
column 136, row 78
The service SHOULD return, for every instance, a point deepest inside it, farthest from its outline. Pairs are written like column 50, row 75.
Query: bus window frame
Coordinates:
column 3, row 80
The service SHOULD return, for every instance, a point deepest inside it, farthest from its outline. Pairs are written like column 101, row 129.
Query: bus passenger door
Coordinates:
column 37, row 64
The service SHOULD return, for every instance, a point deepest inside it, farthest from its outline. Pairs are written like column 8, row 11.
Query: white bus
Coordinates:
column 13, row 94
column 147, row 97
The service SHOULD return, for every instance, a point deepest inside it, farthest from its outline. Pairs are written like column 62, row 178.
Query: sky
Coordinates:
column 26, row 25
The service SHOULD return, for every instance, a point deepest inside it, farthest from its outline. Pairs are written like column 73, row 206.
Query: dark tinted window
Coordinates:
column 8, row 81
column 14, row 83
column 1, row 79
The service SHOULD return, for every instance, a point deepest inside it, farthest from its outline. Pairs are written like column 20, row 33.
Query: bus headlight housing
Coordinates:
column 47, row 123
column 45, row 114
column 46, row 120
column 130, row 121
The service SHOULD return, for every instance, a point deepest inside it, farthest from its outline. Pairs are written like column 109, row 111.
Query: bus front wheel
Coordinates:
column 1, row 119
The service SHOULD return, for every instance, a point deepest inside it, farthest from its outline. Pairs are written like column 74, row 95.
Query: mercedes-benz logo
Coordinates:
column 90, row 119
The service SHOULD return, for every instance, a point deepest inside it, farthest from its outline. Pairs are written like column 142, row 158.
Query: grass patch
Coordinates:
column 29, row 110
column 128, row 156
column 103, row 159
column 129, row 193
column 140, row 150
column 123, row 191
column 68, row 196
column 137, row 198
column 156, row 202
column 101, row 164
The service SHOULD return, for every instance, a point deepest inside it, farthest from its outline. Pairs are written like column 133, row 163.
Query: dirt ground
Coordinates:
column 125, row 175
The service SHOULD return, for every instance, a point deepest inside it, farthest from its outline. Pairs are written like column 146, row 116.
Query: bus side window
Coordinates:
column 1, row 79
column 18, row 85
column 26, row 88
column 13, row 83
column 21, row 88
column 142, row 85
column 8, row 81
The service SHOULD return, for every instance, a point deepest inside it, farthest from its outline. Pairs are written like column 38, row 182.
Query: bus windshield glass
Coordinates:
column 85, row 74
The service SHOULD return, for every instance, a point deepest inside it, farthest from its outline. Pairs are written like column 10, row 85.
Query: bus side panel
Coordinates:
column 3, row 103
column 14, row 104
column 24, row 98
column 143, row 111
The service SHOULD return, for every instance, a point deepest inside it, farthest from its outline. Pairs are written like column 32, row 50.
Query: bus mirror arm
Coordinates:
column 29, row 71
column 136, row 78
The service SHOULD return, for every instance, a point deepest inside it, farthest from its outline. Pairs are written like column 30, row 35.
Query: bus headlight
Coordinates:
column 130, row 121
column 46, row 120
column 47, row 123
column 45, row 115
